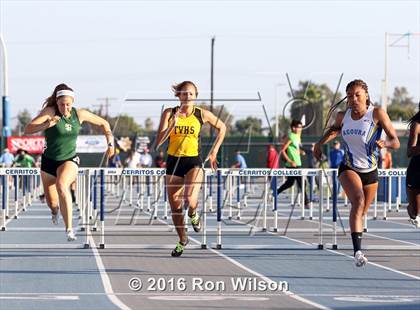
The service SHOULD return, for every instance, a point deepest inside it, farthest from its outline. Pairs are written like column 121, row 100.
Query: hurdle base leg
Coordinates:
column 219, row 247
column 102, row 246
column 82, row 229
column 335, row 247
column 320, row 246
column 384, row 218
column 3, row 228
column 365, row 230
column 86, row 246
column 204, row 246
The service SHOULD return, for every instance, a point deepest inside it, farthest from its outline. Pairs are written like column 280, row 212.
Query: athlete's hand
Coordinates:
column 380, row 143
column 317, row 151
column 53, row 121
column 213, row 161
column 110, row 151
column 293, row 164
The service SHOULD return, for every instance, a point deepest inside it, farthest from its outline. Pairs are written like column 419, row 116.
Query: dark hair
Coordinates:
column 177, row 88
column 415, row 117
column 51, row 101
column 359, row 83
column 295, row 123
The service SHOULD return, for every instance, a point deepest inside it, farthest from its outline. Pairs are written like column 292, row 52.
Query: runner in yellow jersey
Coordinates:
column 184, row 176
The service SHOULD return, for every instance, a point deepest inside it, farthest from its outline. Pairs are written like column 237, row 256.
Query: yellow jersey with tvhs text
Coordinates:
column 184, row 139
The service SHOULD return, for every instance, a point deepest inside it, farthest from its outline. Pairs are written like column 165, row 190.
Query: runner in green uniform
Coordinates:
column 59, row 165
column 291, row 152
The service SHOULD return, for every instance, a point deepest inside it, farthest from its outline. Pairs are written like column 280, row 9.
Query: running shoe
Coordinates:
column 415, row 221
column 70, row 235
column 195, row 222
column 179, row 248
column 359, row 259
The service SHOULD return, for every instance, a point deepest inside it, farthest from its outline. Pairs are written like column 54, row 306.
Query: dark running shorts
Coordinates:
column 180, row 166
column 367, row 178
column 50, row 166
column 412, row 180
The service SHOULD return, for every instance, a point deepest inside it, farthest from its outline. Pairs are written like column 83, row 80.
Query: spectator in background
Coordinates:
column 291, row 151
column 239, row 161
column 133, row 160
column 23, row 159
column 146, row 159
column 160, row 161
column 336, row 155
column 387, row 159
column 6, row 159
column 272, row 157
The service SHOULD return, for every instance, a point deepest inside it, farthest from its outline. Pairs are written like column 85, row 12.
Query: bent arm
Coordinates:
column 383, row 119
column 333, row 131
column 165, row 128
column 89, row 117
column 45, row 119
column 413, row 148
column 219, row 125
column 283, row 151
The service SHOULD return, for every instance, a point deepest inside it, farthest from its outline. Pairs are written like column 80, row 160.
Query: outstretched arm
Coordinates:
column 213, row 120
column 89, row 117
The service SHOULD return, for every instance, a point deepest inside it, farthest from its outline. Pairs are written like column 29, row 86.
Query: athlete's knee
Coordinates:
column 177, row 211
column 62, row 187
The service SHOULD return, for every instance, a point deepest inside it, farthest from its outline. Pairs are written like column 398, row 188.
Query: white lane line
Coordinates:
column 105, row 278
column 41, row 297
column 266, row 279
column 343, row 254
column 369, row 263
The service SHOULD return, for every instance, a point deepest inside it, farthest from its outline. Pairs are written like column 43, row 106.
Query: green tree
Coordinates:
column 312, row 100
column 148, row 124
column 23, row 118
column 121, row 126
column 250, row 125
column 402, row 106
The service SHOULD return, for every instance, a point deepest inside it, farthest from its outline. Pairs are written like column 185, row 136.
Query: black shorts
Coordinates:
column 412, row 180
column 50, row 166
column 180, row 166
column 366, row 177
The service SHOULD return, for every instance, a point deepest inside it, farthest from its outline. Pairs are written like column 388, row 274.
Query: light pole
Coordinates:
column 396, row 43
column 5, row 99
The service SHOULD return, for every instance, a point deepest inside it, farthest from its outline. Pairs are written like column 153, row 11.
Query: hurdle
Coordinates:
column 150, row 182
column 24, row 197
column 387, row 206
column 223, row 176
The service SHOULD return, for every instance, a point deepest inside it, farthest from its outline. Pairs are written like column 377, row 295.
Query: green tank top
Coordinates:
column 60, row 140
column 293, row 151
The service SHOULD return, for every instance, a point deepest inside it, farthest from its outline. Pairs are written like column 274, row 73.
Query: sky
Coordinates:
column 140, row 48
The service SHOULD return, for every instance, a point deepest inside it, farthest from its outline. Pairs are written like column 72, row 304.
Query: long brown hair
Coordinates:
column 51, row 101
column 177, row 88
